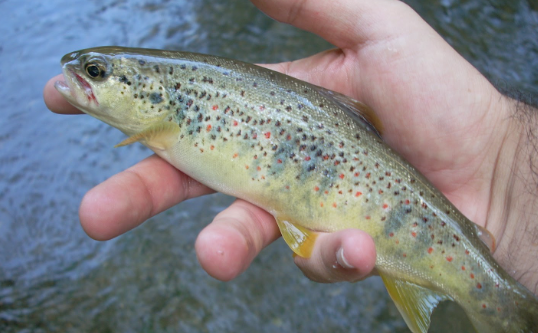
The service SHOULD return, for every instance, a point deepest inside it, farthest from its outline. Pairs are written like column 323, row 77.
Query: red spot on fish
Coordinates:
column 380, row 191
column 336, row 162
column 484, row 306
column 326, row 192
column 321, row 204
column 404, row 255
column 431, row 267
column 397, row 241
column 341, row 176
column 414, row 234
column 498, row 309
column 368, row 175
column 316, row 188
column 407, row 202
column 356, row 174
column 262, row 107
column 279, row 161
column 334, row 204
column 212, row 147
column 267, row 135
column 246, row 167
column 259, row 169
column 235, row 155
column 288, row 137
column 307, row 158
column 358, row 194
column 391, row 234
column 472, row 276
column 287, row 187
column 430, row 250
column 367, row 217
column 462, row 268
column 385, row 206
column 449, row 259
column 479, row 286
column 466, row 251
column 208, row 128
column 215, row 107
column 254, row 136
column 235, row 123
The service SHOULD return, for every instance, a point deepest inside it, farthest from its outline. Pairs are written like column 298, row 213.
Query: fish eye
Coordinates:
column 95, row 69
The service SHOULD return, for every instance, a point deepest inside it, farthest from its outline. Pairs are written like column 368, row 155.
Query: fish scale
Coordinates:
column 311, row 158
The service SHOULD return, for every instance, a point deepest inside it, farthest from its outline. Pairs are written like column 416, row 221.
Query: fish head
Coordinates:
column 106, row 83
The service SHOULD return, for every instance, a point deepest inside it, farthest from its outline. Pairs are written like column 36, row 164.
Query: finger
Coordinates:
column 227, row 246
column 129, row 198
column 346, row 255
column 344, row 23
column 56, row 102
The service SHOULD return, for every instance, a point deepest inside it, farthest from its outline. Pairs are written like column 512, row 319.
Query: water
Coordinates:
column 54, row 278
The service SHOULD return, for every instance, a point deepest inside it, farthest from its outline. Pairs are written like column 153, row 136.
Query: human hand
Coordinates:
column 434, row 105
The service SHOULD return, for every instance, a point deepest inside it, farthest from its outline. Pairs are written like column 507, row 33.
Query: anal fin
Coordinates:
column 159, row 137
column 299, row 239
column 414, row 302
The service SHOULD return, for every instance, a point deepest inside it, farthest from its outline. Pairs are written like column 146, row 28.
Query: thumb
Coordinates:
column 346, row 255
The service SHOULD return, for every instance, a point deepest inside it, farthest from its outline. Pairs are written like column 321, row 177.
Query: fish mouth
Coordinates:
column 76, row 90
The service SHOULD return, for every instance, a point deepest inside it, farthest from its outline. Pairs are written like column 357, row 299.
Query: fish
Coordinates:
column 313, row 158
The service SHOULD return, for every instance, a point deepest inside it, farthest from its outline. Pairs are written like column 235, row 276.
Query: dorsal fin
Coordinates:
column 486, row 237
column 359, row 111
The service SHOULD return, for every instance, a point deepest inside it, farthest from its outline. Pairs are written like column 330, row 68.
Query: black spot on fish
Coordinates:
column 123, row 79
column 156, row 69
column 155, row 98
column 141, row 62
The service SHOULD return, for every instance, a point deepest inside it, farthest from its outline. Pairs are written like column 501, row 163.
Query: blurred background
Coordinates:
column 54, row 278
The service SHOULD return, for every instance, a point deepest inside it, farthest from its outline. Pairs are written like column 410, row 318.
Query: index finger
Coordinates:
column 129, row 198
column 54, row 101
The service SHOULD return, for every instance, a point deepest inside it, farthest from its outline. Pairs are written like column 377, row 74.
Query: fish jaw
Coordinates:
column 77, row 91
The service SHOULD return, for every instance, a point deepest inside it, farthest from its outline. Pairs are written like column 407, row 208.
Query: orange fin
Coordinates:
column 486, row 237
column 159, row 137
column 299, row 239
column 414, row 302
column 359, row 111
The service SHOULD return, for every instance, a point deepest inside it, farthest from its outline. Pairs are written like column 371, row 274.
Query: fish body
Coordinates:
column 311, row 158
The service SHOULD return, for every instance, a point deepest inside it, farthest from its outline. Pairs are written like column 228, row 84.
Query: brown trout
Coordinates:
column 309, row 156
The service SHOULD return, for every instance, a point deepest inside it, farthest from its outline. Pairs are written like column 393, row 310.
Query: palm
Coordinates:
column 434, row 118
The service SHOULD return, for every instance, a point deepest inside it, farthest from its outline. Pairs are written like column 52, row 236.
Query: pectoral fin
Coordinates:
column 414, row 302
column 160, row 136
column 299, row 239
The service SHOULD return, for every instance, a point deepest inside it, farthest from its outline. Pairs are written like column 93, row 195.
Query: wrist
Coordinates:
column 513, row 197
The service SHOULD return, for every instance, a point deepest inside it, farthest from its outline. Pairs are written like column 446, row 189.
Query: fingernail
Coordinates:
column 342, row 260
